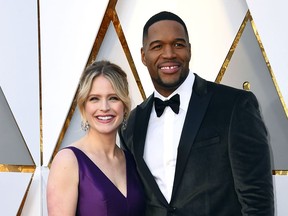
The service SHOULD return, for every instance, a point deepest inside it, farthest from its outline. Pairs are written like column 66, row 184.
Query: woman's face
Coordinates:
column 103, row 109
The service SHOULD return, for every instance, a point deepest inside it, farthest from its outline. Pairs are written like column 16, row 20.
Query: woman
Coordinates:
column 93, row 176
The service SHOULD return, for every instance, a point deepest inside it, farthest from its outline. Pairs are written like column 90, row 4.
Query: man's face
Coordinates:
column 166, row 53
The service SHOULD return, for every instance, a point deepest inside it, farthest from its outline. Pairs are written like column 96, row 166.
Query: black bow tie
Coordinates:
column 173, row 102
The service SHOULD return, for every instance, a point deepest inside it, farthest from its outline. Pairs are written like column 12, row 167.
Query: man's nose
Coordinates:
column 168, row 52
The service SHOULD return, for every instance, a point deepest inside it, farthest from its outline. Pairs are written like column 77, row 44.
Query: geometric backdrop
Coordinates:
column 45, row 45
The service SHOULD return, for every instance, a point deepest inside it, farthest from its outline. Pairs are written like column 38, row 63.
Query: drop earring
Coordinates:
column 84, row 125
column 124, row 123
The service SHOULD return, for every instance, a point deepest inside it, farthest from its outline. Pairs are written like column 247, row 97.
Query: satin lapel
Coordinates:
column 195, row 114
column 141, row 123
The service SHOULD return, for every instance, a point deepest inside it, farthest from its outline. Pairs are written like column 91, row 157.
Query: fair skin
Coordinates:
column 104, row 112
column 166, row 53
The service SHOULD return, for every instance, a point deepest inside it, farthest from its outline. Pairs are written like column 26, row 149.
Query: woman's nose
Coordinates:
column 105, row 105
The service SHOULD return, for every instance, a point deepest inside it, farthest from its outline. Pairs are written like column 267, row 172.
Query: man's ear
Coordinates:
column 190, row 50
column 143, row 56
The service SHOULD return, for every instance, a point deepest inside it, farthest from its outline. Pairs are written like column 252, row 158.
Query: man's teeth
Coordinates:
column 170, row 67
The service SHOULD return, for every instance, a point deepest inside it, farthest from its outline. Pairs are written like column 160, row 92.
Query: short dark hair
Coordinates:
column 164, row 15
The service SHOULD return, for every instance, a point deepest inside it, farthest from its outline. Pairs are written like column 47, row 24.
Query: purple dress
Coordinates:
column 98, row 196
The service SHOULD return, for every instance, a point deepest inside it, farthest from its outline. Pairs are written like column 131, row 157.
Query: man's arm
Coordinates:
column 250, row 157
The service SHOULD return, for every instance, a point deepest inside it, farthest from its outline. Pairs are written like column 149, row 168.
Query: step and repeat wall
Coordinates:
column 45, row 45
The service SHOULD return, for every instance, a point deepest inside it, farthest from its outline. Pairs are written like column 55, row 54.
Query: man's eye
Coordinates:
column 156, row 47
column 179, row 45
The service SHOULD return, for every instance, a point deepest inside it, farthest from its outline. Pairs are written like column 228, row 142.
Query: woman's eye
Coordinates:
column 114, row 98
column 93, row 98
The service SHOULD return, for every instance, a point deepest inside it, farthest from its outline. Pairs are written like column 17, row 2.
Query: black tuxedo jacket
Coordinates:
column 223, row 162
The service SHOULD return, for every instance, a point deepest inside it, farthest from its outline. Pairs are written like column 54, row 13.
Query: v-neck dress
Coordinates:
column 98, row 196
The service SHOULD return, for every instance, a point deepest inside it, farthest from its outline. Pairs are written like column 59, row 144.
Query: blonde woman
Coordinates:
column 93, row 176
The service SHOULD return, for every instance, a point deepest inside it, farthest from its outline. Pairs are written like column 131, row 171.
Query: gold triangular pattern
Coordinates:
column 25, row 197
column 10, row 142
column 228, row 59
column 268, row 65
column 221, row 73
column 109, row 16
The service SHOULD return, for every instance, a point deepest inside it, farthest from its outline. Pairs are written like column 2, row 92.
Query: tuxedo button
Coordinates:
column 171, row 210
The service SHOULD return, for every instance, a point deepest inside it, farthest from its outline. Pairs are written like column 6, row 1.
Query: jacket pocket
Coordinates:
column 206, row 142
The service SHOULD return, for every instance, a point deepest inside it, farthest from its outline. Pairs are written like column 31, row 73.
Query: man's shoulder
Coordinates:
column 221, row 91
column 218, row 86
column 144, row 103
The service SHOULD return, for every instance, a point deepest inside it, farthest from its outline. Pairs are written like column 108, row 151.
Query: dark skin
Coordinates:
column 166, row 53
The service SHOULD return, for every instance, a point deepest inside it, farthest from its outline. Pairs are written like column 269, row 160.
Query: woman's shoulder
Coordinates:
column 64, row 158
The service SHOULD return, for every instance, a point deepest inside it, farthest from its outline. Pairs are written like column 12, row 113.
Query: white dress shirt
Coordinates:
column 163, row 136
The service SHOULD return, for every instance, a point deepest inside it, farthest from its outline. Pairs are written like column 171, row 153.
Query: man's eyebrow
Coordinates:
column 180, row 39
column 175, row 40
column 153, row 42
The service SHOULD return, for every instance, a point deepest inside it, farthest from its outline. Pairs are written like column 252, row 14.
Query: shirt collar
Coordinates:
column 184, row 90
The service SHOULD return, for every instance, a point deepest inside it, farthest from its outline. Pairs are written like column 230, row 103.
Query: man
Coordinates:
column 210, row 157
